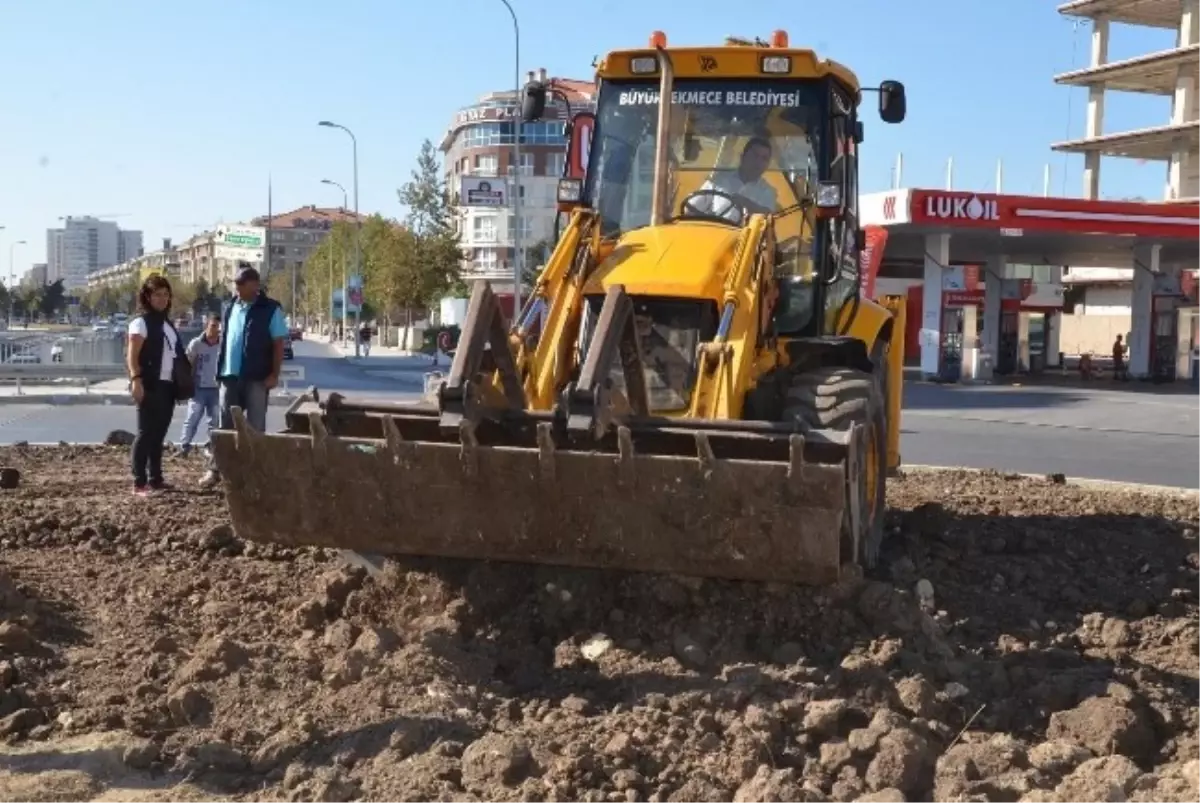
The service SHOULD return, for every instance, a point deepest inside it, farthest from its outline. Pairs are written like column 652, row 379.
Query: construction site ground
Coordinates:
column 1025, row 640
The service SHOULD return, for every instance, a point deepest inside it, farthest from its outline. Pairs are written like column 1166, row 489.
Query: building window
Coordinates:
column 483, row 135
column 483, row 230
column 526, row 228
column 526, row 165
column 485, row 261
column 486, row 165
column 555, row 164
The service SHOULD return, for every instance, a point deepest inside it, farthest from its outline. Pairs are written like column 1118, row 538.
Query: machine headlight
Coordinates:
column 829, row 195
column 570, row 191
column 777, row 64
column 643, row 65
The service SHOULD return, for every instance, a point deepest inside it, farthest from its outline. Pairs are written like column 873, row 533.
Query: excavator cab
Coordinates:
column 694, row 384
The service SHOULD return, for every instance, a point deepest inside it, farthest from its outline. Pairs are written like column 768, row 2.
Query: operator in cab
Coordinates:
column 746, row 184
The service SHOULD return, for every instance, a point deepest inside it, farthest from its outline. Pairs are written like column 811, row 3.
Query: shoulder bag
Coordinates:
column 183, row 374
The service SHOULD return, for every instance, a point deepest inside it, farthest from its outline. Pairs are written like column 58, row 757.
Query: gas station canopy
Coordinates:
column 1032, row 230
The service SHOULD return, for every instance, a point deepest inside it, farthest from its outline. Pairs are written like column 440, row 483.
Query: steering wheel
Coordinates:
column 689, row 208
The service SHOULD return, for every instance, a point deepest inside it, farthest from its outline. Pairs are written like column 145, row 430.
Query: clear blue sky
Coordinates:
column 173, row 114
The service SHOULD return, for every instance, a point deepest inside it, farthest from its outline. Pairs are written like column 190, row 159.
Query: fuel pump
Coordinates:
column 1009, row 342
column 1164, row 339
column 951, row 358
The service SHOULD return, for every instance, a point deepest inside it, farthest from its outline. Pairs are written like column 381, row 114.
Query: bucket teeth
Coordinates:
column 627, row 470
column 545, row 443
column 704, row 453
column 795, row 471
column 468, row 449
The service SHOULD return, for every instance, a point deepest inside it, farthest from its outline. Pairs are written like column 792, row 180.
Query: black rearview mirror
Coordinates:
column 533, row 102
column 892, row 103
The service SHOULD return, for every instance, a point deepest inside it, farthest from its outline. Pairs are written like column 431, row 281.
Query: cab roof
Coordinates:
column 734, row 59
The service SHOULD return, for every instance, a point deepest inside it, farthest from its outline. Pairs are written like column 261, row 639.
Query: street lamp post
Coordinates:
column 516, row 200
column 12, row 281
column 357, row 232
column 344, row 204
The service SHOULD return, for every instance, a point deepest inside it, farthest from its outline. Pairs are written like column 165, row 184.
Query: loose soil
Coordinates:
column 1025, row 640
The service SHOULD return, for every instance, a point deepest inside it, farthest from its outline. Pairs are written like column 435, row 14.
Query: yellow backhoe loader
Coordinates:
column 695, row 383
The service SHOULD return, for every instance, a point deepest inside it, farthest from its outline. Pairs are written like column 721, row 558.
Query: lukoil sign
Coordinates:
column 949, row 207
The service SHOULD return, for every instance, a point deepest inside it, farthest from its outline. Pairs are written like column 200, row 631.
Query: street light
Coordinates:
column 343, row 189
column 357, row 231
column 516, row 162
column 12, row 281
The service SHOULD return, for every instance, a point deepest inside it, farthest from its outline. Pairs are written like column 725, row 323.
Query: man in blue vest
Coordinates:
column 253, row 332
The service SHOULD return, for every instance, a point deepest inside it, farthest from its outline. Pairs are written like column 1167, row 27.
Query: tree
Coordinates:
column 437, row 256
column 125, row 295
column 51, row 298
column 280, row 289
column 396, row 281
column 206, row 300
column 336, row 250
column 183, row 297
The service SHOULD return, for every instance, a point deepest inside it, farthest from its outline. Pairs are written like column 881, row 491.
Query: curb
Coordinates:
column 1078, row 482
column 109, row 399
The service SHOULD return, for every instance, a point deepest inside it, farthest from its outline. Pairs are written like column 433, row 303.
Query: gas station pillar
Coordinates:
column 993, row 292
column 937, row 257
column 1054, row 323
column 1141, row 308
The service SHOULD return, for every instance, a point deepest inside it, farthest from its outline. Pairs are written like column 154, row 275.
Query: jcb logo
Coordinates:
column 707, row 64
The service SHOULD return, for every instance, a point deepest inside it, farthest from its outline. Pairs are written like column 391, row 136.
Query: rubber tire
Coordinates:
column 838, row 398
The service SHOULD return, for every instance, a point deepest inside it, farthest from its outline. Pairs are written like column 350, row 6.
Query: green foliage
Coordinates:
column 52, row 299
column 431, row 219
column 323, row 268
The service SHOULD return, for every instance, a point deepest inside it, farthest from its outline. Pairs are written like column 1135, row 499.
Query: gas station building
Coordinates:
column 983, row 276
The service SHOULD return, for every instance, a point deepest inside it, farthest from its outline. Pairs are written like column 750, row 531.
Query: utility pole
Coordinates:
column 344, row 205
column 357, row 235
column 516, row 166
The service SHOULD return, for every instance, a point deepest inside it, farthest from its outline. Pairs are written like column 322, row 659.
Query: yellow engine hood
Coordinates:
column 680, row 260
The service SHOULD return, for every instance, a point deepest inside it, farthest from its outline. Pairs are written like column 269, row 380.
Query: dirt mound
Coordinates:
column 1025, row 640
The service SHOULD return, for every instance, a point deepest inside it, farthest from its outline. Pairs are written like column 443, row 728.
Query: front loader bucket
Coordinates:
column 740, row 500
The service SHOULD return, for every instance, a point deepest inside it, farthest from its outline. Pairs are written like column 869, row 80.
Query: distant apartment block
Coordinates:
column 35, row 276
column 84, row 245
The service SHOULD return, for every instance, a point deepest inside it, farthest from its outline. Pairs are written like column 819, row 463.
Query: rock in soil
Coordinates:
column 1022, row 639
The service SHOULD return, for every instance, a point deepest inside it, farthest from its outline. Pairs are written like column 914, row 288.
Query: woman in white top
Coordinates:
column 150, row 358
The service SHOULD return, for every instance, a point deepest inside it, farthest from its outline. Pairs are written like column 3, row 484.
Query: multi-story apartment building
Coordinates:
column 1169, row 74
column 164, row 260
column 35, row 276
column 86, row 244
column 296, row 234
column 129, row 245
column 479, row 142
column 212, row 256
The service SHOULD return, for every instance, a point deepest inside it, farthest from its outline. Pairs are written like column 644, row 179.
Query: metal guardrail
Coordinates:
column 53, row 372
column 58, row 370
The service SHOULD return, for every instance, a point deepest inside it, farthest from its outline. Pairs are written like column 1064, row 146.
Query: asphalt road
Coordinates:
column 1117, row 435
